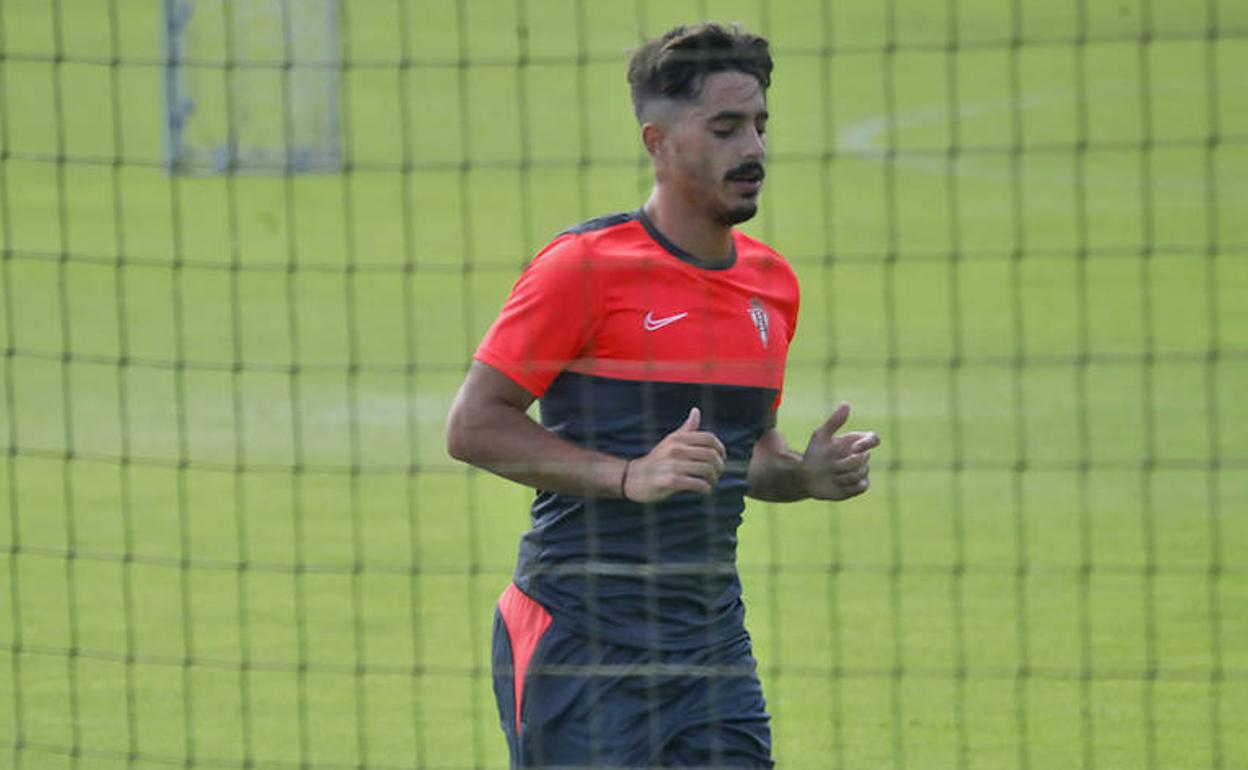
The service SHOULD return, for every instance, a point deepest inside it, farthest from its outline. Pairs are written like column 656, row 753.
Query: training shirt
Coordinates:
column 618, row 333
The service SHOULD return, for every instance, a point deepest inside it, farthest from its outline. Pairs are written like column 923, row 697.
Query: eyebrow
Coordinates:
column 733, row 115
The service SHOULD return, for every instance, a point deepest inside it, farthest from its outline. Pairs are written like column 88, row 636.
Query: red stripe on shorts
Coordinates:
column 526, row 621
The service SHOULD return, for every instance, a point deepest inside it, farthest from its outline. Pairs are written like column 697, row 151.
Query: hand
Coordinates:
column 836, row 467
column 686, row 460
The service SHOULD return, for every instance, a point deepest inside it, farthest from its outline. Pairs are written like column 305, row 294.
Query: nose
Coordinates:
column 757, row 147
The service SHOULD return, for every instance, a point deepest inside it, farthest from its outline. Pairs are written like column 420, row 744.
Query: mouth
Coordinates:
column 747, row 179
column 749, row 172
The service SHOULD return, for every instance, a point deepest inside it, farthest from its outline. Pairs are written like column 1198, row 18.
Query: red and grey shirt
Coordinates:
column 618, row 333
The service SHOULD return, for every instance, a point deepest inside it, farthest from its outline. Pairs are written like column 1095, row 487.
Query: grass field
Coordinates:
column 231, row 535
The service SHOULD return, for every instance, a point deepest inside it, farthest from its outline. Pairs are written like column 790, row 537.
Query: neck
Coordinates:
column 691, row 230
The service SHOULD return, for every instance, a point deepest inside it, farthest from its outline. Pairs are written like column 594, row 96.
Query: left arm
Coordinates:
column 833, row 467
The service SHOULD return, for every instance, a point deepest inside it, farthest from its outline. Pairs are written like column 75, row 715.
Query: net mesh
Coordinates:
column 232, row 537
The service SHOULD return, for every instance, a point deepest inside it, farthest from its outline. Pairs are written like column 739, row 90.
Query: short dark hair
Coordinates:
column 675, row 65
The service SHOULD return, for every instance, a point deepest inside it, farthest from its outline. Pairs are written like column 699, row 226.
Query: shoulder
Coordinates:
column 584, row 254
column 603, row 223
column 764, row 259
column 598, row 242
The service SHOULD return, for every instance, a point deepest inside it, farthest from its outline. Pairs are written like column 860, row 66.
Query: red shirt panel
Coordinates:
column 613, row 302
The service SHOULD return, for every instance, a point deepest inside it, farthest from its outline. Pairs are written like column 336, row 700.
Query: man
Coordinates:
column 656, row 341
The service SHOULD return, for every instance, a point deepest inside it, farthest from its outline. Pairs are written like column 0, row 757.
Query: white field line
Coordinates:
column 866, row 139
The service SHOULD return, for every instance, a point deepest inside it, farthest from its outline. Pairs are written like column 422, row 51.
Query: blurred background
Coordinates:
column 249, row 246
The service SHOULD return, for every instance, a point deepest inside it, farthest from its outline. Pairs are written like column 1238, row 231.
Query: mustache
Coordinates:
column 747, row 170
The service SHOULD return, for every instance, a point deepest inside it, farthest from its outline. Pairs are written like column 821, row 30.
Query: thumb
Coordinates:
column 691, row 422
column 835, row 422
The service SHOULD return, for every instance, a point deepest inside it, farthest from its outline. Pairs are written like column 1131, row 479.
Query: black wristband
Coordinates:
column 624, row 479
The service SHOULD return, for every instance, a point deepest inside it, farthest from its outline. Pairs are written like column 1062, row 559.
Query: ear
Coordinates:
column 652, row 134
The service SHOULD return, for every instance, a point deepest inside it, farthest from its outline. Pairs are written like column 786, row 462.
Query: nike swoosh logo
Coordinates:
column 654, row 324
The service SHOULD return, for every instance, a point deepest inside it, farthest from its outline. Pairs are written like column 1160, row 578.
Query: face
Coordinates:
column 711, row 151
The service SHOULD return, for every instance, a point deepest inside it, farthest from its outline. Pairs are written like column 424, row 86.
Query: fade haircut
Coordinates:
column 675, row 66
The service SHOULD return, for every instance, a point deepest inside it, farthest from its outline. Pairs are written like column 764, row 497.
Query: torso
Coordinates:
column 655, row 335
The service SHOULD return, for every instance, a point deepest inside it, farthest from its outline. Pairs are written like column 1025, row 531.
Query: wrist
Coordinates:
column 624, row 480
column 801, row 477
column 781, row 478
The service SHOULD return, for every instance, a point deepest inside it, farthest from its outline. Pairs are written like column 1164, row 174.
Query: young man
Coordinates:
column 656, row 342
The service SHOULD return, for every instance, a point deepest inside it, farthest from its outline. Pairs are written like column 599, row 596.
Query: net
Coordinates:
column 232, row 537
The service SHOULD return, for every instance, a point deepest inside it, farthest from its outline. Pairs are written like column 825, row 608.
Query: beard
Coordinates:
column 713, row 194
column 745, row 207
column 735, row 215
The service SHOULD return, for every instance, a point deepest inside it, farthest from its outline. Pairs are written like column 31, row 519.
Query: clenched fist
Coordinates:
column 686, row 460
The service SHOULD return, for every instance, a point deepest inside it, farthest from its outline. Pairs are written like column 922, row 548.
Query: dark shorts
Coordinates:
column 586, row 704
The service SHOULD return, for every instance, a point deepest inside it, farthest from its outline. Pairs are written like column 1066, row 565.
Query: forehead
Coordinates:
column 729, row 92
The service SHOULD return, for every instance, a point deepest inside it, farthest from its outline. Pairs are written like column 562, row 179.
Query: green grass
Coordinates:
column 175, row 591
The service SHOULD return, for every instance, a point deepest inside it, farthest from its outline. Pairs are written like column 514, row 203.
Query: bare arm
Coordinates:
column 488, row 427
column 833, row 467
column 775, row 471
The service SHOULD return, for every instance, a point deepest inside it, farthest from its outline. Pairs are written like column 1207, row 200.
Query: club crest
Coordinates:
column 758, row 314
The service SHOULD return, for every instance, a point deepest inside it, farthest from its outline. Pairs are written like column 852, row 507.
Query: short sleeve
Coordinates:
column 789, row 308
column 549, row 319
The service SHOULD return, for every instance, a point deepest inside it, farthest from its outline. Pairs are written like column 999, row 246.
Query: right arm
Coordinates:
column 489, row 427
